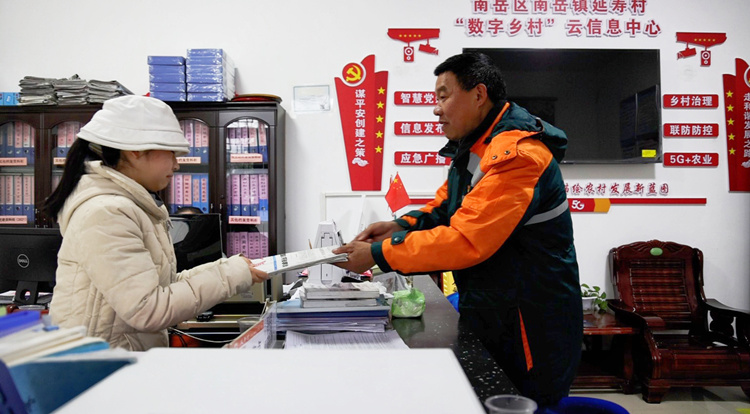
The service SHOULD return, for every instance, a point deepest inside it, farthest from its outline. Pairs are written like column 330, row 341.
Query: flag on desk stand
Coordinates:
column 396, row 197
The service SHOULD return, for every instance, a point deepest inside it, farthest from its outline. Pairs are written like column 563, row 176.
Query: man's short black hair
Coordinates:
column 471, row 69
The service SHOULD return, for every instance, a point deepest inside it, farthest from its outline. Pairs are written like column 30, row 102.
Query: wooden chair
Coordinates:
column 659, row 289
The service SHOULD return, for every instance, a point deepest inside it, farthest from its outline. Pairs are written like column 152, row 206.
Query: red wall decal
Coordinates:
column 362, row 95
column 691, row 159
column 701, row 39
column 420, row 158
column 414, row 98
column 737, row 114
column 691, row 101
column 418, row 128
column 691, row 130
column 415, row 35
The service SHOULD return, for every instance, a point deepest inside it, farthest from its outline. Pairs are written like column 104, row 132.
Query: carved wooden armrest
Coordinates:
column 628, row 315
column 722, row 317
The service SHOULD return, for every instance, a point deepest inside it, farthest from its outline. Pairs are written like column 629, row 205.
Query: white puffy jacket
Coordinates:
column 116, row 270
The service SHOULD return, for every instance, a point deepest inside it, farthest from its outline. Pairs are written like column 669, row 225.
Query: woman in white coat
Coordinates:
column 116, row 271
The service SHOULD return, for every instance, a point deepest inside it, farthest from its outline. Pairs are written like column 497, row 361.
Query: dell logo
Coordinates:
column 22, row 260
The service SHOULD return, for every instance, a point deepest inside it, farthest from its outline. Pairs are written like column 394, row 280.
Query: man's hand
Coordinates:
column 359, row 256
column 378, row 231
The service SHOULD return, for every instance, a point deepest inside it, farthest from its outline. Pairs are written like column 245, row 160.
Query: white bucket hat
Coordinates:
column 136, row 123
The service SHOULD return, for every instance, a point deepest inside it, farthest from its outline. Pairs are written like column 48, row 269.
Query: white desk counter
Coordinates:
column 205, row 380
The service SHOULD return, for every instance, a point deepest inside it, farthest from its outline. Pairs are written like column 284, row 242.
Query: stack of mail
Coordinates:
column 100, row 91
column 37, row 91
column 71, row 91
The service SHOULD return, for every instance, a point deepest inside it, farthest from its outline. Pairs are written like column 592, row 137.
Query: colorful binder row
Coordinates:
column 188, row 190
column 248, row 194
column 196, row 133
column 17, row 141
column 17, row 195
column 66, row 135
column 252, row 244
column 248, row 137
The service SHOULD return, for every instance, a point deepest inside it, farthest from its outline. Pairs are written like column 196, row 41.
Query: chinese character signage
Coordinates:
column 691, row 159
column 420, row 158
column 592, row 197
column 691, row 130
column 737, row 114
column 362, row 102
column 532, row 18
column 617, row 189
column 691, row 101
column 414, row 98
column 418, row 128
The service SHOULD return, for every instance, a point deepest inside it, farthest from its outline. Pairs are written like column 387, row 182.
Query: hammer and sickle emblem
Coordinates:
column 353, row 73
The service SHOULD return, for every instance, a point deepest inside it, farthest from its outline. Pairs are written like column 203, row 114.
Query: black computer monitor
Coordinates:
column 196, row 239
column 28, row 261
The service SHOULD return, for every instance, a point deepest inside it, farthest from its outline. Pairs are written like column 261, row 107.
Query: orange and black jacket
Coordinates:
column 501, row 223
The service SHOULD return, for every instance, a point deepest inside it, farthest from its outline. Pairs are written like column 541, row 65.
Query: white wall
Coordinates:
column 277, row 45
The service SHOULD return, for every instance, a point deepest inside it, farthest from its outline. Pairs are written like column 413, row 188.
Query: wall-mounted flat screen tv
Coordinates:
column 606, row 100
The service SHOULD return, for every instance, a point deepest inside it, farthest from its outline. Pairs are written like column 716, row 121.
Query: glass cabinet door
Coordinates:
column 247, row 187
column 63, row 135
column 189, row 189
column 18, row 142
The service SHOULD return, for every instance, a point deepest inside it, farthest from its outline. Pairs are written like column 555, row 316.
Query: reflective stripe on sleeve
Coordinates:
column 548, row 215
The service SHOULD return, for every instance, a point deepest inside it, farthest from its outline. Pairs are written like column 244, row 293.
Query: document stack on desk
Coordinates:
column 44, row 366
column 24, row 337
column 337, row 307
column 340, row 295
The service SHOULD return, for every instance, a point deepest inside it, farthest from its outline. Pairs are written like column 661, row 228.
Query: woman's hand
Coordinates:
column 258, row 275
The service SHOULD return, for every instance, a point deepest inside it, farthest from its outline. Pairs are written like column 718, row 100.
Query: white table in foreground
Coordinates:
column 204, row 380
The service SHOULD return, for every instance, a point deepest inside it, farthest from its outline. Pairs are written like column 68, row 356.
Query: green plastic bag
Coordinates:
column 408, row 303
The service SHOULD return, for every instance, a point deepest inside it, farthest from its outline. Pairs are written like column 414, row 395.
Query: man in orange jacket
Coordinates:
column 501, row 223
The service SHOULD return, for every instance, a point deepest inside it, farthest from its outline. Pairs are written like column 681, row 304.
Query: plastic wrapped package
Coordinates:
column 170, row 96
column 166, row 60
column 206, row 60
column 165, row 69
column 202, row 78
column 209, row 57
column 167, row 87
column 206, row 70
column 219, row 53
column 209, row 75
column 208, row 87
column 206, row 97
column 212, row 84
column 167, row 78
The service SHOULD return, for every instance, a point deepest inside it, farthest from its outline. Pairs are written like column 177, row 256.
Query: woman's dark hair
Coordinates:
column 75, row 168
column 473, row 68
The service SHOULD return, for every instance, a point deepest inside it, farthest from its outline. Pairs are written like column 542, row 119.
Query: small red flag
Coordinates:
column 396, row 197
